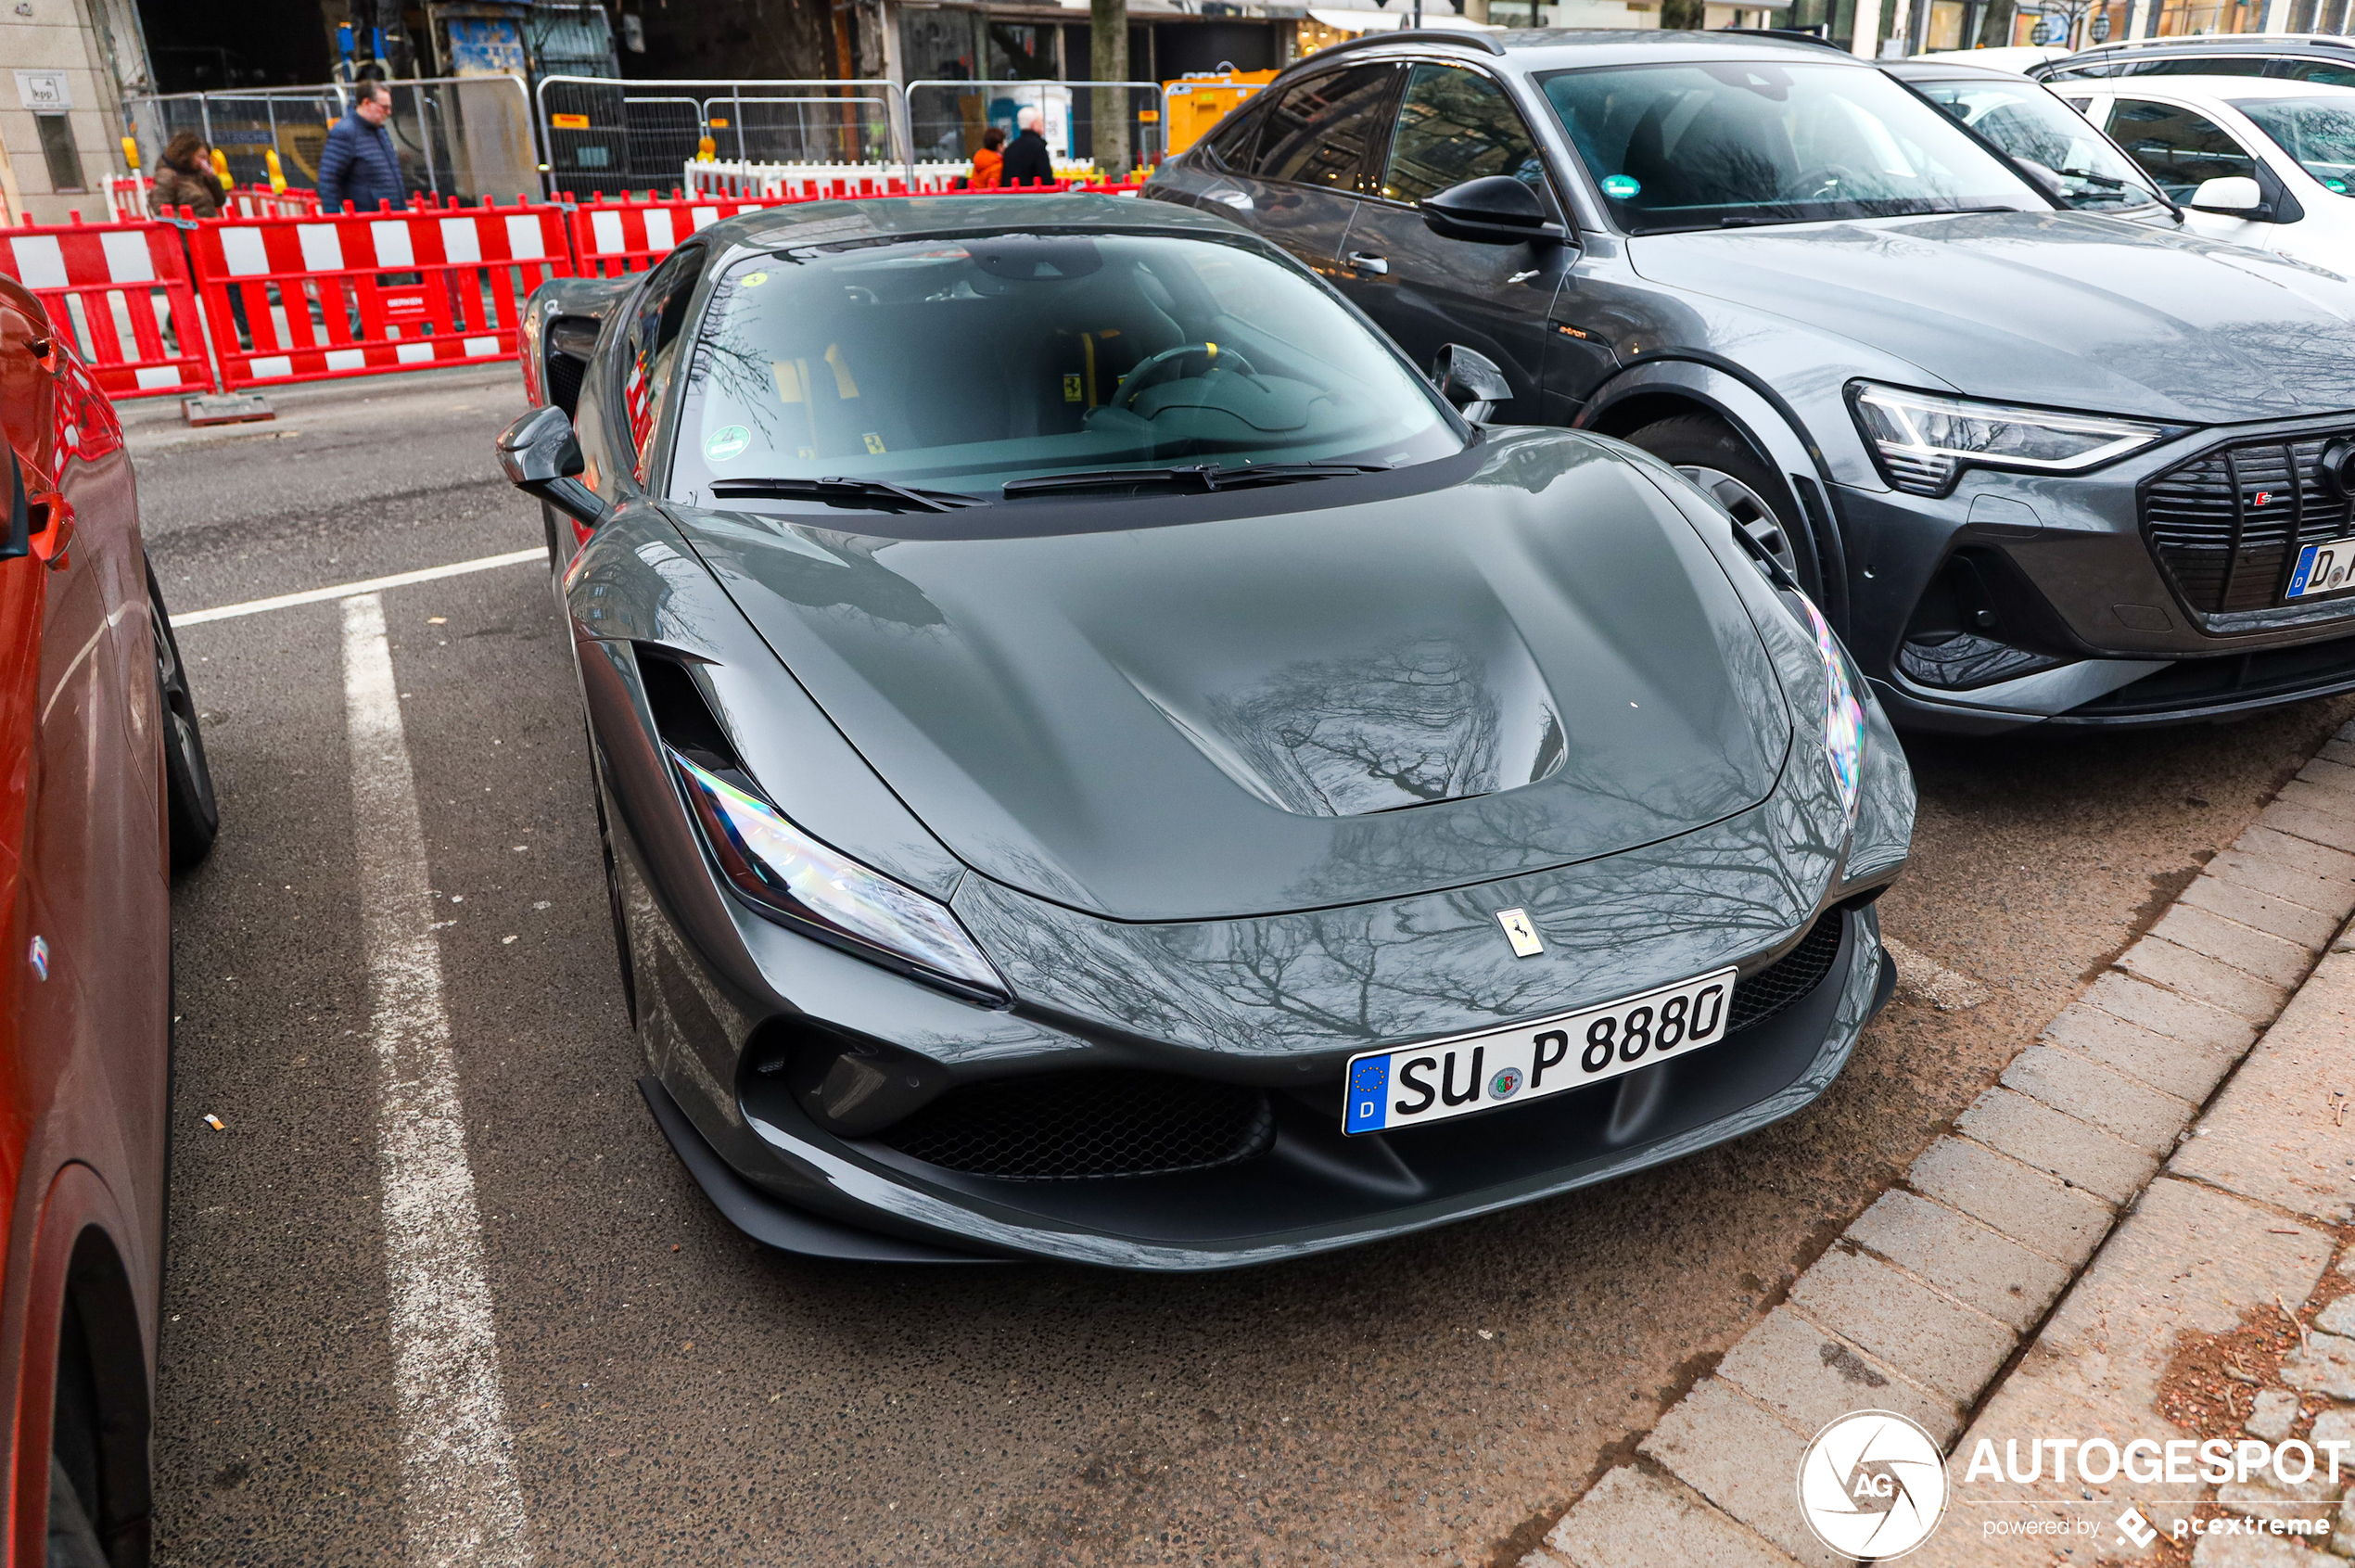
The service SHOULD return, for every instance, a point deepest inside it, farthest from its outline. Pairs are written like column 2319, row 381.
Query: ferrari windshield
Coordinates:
column 1728, row 144
column 2318, row 132
column 965, row 363
column 2032, row 126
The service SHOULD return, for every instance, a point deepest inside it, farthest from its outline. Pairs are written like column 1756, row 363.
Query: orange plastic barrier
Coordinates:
column 355, row 294
column 123, row 294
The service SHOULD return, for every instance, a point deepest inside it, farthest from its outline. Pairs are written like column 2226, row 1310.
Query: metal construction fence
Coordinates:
column 609, row 136
column 260, row 299
column 464, row 137
column 947, row 118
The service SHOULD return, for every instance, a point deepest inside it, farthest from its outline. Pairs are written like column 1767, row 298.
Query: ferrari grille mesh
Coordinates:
column 1787, row 979
column 1113, row 1122
column 2227, row 524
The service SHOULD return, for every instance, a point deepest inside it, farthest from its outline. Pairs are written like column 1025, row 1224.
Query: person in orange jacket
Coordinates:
column 989, row 164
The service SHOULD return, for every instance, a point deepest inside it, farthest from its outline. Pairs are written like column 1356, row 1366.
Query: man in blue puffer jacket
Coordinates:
column 360, row 165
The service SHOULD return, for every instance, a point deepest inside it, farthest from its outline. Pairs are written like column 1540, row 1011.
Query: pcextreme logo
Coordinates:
column 1872, row 1485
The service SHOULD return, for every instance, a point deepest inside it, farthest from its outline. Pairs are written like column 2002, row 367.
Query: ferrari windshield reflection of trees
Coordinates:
column 1740, row 143
column 965, row 362
column 2318, row 132
column 2033, row 126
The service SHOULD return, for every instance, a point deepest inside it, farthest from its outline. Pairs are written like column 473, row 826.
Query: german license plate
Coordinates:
column 2322, row 569
column 1478, row 1072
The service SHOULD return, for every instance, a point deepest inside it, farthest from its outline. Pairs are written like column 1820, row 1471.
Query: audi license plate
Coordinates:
column 2322, row 569
column 1454, row 1078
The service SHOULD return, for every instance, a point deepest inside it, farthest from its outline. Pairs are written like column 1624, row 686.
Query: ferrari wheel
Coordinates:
column 195, row 814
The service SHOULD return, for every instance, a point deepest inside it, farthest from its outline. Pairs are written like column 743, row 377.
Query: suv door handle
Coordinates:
column 1366, row 262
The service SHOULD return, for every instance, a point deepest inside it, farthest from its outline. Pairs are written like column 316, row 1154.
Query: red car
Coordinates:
column 103, row 792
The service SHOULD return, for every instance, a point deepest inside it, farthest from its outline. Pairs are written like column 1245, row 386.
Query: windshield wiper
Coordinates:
column 1206, row 476
column 838, row 488
column 2110, row 181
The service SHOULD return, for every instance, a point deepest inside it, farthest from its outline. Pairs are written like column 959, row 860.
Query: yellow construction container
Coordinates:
column 1200, row 99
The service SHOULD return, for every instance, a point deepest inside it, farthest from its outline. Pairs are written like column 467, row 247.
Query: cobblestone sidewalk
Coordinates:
column 2213, row 1308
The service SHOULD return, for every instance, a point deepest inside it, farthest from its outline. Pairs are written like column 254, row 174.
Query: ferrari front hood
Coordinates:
column 1314, row 704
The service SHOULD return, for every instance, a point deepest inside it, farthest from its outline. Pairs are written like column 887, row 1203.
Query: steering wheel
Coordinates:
column 1162, row 367
column 1810, row 184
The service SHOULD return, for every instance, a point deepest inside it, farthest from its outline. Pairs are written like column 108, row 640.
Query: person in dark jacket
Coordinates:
column 1026, row 159
column 360, row 165
column 185, row 178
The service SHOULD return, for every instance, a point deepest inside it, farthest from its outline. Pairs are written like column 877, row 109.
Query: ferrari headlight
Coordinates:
column 1923, row 440
column 791, row 877
column 1843, row 714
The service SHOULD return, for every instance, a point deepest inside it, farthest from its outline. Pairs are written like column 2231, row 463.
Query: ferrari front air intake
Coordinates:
column 1112, row 1123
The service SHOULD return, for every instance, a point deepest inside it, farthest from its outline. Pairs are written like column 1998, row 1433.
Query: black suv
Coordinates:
column 2038, row 465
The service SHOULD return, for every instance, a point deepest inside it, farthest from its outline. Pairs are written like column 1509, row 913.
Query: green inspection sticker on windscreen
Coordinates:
column 1618, row 187
column 726, row 443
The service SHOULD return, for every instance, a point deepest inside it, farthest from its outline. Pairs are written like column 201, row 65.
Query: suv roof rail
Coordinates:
column 2195, row 42
column 1790, row 34
column 1407, row 36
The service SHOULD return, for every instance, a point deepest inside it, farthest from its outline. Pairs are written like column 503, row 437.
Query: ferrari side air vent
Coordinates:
column 681, row 716
column 1115, row 1122
column 1789, row 979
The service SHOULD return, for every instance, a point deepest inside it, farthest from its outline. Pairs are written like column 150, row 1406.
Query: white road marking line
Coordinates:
column 460, row 1505
column 368, row 585
column 1933, row 982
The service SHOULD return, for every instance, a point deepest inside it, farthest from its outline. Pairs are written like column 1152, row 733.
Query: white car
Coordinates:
column 2257, row 162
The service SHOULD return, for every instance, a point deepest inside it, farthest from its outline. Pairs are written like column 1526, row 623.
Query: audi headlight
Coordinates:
column 1843, row 713
column 1923, row 440
column 801, row 883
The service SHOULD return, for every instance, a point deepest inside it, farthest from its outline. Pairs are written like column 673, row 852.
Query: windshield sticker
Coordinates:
column 727, row 442
column 752, row 280
column 1618, row 187
column 2337, row 187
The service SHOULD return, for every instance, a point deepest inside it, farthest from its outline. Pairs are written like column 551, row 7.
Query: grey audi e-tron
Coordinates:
column 1101, row 760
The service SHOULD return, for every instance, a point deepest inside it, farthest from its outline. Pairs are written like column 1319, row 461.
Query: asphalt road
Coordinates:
column 677, row 1395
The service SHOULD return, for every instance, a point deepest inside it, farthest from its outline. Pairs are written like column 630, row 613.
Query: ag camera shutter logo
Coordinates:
column 1872, row 1485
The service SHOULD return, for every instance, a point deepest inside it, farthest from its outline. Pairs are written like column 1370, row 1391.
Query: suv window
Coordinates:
column 1231, row 144
column 2197, row 65
column 654, row 347
column 2328, row 73
column 2176, row 147
column 1454, row 125
column 1318, row 132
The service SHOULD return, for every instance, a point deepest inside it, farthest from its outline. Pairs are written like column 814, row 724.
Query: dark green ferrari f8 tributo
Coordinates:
column 1100, row 759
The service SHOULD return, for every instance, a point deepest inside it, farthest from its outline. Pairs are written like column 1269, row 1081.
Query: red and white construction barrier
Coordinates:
column 613, row 237
column 296, row 296
column 323, row 296
column 123, row 293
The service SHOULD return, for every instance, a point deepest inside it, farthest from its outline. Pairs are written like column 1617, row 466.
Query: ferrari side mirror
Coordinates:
column 1471, row 380
column 541, row 458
